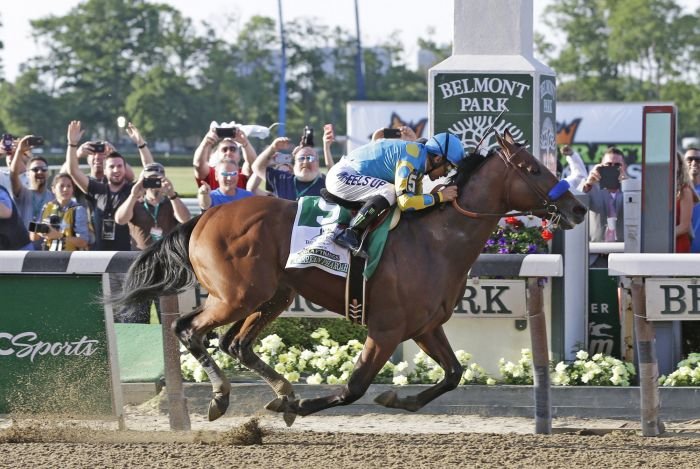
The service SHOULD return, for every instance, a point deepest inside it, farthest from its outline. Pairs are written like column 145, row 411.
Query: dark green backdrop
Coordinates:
column 41, row 313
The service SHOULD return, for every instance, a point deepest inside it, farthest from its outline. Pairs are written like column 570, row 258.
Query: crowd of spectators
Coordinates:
column 115, row 207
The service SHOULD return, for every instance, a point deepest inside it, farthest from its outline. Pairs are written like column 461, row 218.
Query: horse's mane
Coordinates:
column 467, row 167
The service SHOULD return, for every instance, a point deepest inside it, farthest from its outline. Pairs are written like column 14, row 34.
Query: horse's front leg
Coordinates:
column 373, row 357
column 238, row 342
column 435, row 344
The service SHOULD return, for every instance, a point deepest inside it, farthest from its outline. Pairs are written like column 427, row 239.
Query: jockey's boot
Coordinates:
column 351, row 237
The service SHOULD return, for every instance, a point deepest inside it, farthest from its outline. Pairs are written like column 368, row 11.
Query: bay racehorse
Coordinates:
column 238, row 252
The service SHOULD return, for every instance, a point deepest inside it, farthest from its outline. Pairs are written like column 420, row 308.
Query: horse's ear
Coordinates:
column 499, row 138
column 508, row 136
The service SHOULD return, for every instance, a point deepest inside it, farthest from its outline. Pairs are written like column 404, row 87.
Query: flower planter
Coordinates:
column 501, row 400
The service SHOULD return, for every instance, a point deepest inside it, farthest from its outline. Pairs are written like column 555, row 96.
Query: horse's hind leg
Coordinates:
column 435, row 344
column 191, row 329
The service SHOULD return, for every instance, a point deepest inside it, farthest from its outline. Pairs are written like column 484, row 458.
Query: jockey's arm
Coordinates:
column 409, row 193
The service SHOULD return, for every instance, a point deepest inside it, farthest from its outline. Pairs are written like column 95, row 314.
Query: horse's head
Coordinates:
column 532, row 187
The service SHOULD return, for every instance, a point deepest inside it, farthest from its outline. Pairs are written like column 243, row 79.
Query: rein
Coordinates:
column 551, row 211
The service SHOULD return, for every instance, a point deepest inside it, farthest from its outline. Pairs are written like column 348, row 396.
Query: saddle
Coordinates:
column 355, row 282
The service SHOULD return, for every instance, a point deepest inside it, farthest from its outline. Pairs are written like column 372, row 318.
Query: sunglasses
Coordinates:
column 231, row 148
column 693, row 159
column 617, row 165
column 227, row 174
column 38, row 169
column 309, row 158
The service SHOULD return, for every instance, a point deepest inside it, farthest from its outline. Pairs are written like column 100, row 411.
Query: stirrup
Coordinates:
column 353, row 244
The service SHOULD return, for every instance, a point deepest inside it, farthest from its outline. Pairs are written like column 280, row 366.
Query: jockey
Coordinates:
column 390, row 170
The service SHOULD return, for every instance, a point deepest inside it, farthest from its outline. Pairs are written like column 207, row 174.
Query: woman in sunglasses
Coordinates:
column 227, row 175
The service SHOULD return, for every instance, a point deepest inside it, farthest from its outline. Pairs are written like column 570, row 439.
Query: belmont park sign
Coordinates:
column 467, row 104
column 502, row 298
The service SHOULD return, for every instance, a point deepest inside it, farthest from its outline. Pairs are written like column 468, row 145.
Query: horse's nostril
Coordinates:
column 580, row 210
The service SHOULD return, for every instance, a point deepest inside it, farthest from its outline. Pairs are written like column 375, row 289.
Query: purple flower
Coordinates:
column 531, row 249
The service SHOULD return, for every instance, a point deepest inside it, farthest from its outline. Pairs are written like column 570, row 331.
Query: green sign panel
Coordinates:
column 603, row 314
column 548, row 122
column 466, row 104
column 54, row 354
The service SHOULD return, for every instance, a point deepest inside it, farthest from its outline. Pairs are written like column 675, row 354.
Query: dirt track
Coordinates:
column 380, row 441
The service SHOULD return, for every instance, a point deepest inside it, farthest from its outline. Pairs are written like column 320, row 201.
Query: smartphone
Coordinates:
column 307, row 138
column 609, row 177
column 392, row 133
column 35, row 227
column 7, row 141
column 152, row 183
column 34, row 141
column 282, row 158
column 226, row 132
column 98, row 147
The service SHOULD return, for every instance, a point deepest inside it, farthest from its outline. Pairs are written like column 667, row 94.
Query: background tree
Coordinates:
column 636, row 50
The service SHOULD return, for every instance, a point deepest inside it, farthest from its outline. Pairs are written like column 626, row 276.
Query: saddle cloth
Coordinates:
column 315, row 225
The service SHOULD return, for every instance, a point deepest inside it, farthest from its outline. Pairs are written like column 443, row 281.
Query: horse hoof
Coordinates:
column 289, row 418
column 218, row 406
column 387, row 398
column 278, row 404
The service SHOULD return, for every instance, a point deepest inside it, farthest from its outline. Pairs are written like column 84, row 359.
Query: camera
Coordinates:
column 34, row 141
column 609, row 177
column 152, row 183
column 307, row 138
column 7, row 141
column 226, row 132
column 35, row 227
column 98, row 147
column 392, row 133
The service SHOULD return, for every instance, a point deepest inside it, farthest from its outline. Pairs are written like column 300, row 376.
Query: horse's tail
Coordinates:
column 163, row 268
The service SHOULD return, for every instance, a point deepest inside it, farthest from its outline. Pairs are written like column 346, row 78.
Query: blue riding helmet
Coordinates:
column 447, row 145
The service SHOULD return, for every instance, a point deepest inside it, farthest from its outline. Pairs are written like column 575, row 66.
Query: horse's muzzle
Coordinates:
column 572, row 215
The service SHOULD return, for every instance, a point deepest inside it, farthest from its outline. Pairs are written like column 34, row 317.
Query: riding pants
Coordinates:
column 345, row 182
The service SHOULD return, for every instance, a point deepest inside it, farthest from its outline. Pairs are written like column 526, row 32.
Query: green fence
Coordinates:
column 54, row 352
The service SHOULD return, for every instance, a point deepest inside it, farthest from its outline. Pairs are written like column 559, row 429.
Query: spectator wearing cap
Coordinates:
column 228, row 190
column 153, row 209
column 205, row 161
column 305, row 179
column 30, row 200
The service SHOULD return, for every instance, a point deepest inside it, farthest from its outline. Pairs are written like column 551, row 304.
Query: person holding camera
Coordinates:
column 306, row 178
column 606, row 198
column 13, row 233
column 7, row 148
column 227, row 191
column 64, row 225
column 104, row 198
column 30, row 200
column 153, row 209
column 229, row 142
